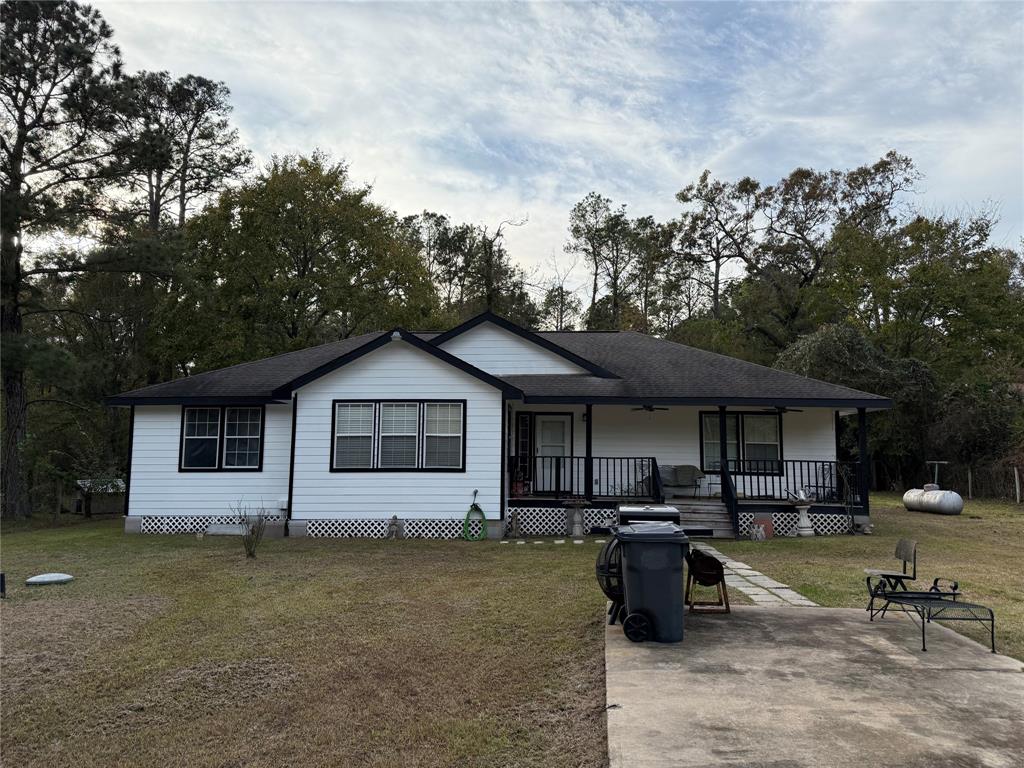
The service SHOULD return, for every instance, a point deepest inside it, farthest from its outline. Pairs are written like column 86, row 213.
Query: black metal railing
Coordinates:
column 832, row 482
column 608, row 477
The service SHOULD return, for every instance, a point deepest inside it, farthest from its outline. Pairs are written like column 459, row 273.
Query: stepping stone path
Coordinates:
column 763, row 590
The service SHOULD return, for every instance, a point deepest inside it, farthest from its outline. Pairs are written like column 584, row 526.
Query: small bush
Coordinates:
column 253, row 527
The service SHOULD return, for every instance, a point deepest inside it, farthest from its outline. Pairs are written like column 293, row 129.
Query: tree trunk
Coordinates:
column 15, row 497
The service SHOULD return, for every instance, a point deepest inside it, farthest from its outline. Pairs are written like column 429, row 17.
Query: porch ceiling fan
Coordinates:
column 649, row 408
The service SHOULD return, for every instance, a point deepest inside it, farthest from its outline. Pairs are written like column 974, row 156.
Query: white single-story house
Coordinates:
column 339, row 439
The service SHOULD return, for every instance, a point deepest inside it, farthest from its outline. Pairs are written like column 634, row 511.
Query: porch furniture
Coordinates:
column 888, row 580
column 629, row 513
column 680, row 477
column 937, row 605
column 706, row 571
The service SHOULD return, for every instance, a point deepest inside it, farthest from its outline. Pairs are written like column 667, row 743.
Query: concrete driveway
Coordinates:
column 822, row 687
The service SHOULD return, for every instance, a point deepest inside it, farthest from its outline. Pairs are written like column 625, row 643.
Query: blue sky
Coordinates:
column 492, row 111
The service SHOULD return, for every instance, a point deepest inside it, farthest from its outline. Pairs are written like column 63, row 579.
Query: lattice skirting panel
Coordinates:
column 357, row 529
column 191, row 523
column 440, row 529
column 550, row 521
column 784, row 523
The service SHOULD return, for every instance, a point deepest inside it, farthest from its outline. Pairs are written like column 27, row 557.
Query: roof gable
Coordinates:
column 398, row 334
column 582, row 364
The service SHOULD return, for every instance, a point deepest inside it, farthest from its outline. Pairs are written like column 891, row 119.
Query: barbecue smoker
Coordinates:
column 609, row 578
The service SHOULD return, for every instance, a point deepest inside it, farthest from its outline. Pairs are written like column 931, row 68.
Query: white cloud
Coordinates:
column 486, row 111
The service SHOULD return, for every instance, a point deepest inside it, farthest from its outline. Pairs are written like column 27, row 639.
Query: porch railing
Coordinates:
column 611, row 477
column 832, row 482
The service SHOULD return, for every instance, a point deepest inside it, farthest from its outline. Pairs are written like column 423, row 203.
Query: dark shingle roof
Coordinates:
column 649, row 369
column 656, row 369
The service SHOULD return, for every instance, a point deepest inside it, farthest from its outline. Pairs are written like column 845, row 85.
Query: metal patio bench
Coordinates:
column 936, row 605
column 891, row 581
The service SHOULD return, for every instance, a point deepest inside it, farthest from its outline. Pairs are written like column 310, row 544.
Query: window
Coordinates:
column 388, row 436
column 754, row 442
column 761, row 449
column 200, row 438
column 353, row 435
column 712, row 452
column 399, row 433
column 443, row 435
column 242, row 428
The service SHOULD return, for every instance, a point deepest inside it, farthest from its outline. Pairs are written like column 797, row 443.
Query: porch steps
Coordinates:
column 705, row 514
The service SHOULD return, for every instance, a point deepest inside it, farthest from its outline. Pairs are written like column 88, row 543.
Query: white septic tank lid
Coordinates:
column 49, row 578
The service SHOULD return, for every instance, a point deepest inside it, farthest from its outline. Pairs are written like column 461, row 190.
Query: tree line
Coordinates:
column 140, row 242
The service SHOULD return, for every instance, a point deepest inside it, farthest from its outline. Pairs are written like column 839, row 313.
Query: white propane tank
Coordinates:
column 936, row 502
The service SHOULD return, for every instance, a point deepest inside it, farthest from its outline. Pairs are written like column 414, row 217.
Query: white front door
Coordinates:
column 553, row 440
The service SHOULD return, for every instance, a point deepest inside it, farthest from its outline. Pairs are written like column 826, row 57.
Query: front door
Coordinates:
column 553, row 472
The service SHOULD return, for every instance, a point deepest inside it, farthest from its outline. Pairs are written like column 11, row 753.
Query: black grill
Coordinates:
column 609, row 576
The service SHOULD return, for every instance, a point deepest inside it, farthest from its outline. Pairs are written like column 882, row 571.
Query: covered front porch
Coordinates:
column 743, row 457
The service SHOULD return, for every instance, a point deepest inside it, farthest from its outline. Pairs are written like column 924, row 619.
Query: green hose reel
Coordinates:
column 475, row 513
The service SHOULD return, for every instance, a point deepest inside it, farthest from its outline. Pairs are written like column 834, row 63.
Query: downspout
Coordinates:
column 291, row 462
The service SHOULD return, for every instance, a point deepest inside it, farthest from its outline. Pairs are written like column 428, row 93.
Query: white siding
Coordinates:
column 158, row 488
column 499, row 352
column 673, row 436
column 396, row 371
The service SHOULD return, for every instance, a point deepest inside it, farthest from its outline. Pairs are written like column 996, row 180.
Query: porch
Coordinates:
column 744, row 462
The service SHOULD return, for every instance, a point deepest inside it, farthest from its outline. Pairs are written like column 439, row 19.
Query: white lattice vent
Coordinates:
column 784, row 523
column 536, row 521
column 191, row 523
column 440, row 529
column 356, row 529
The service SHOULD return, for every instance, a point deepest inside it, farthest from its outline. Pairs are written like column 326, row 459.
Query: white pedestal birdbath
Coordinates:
column 804, row 526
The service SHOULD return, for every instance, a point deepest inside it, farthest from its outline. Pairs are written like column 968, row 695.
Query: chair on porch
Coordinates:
column 680, row 477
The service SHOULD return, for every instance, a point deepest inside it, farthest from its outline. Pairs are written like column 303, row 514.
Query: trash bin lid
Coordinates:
column 666, row 533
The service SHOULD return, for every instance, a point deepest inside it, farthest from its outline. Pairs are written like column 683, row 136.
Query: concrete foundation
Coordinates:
column 807, row 687
column 133, row 525
column 495, row 529
column 297, row 528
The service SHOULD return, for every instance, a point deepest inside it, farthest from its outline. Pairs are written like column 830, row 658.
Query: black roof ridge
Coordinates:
column 758, row 365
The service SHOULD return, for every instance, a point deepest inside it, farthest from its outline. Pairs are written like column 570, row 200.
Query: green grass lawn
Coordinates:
column 983, row 549
column 170, row 650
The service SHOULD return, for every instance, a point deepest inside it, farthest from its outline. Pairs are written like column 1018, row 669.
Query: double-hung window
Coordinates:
column 226, row 438
column 200, row 438
column 753, row 442
column 391, row 436
column 761, row 447
column 242, row 427
column 442, row 436
column 353, row 436
column 399, row 435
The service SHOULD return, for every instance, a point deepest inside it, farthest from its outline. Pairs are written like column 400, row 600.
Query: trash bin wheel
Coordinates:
column 636, row 627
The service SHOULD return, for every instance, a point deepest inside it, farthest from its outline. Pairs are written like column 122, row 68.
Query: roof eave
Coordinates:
column 128, row 400
column 876, row 404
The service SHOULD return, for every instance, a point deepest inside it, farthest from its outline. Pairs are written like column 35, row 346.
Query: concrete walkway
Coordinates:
column 792, row 687
column 763, row 590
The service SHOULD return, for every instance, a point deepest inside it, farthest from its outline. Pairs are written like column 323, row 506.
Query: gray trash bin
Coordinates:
column 652, row 574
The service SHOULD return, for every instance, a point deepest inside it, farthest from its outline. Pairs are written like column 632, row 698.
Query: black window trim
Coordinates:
column 222, row 423
column 420, row 424
column 740, row 436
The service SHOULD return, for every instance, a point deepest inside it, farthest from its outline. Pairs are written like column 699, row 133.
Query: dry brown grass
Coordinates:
column 983, row 548
column 173, row 651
